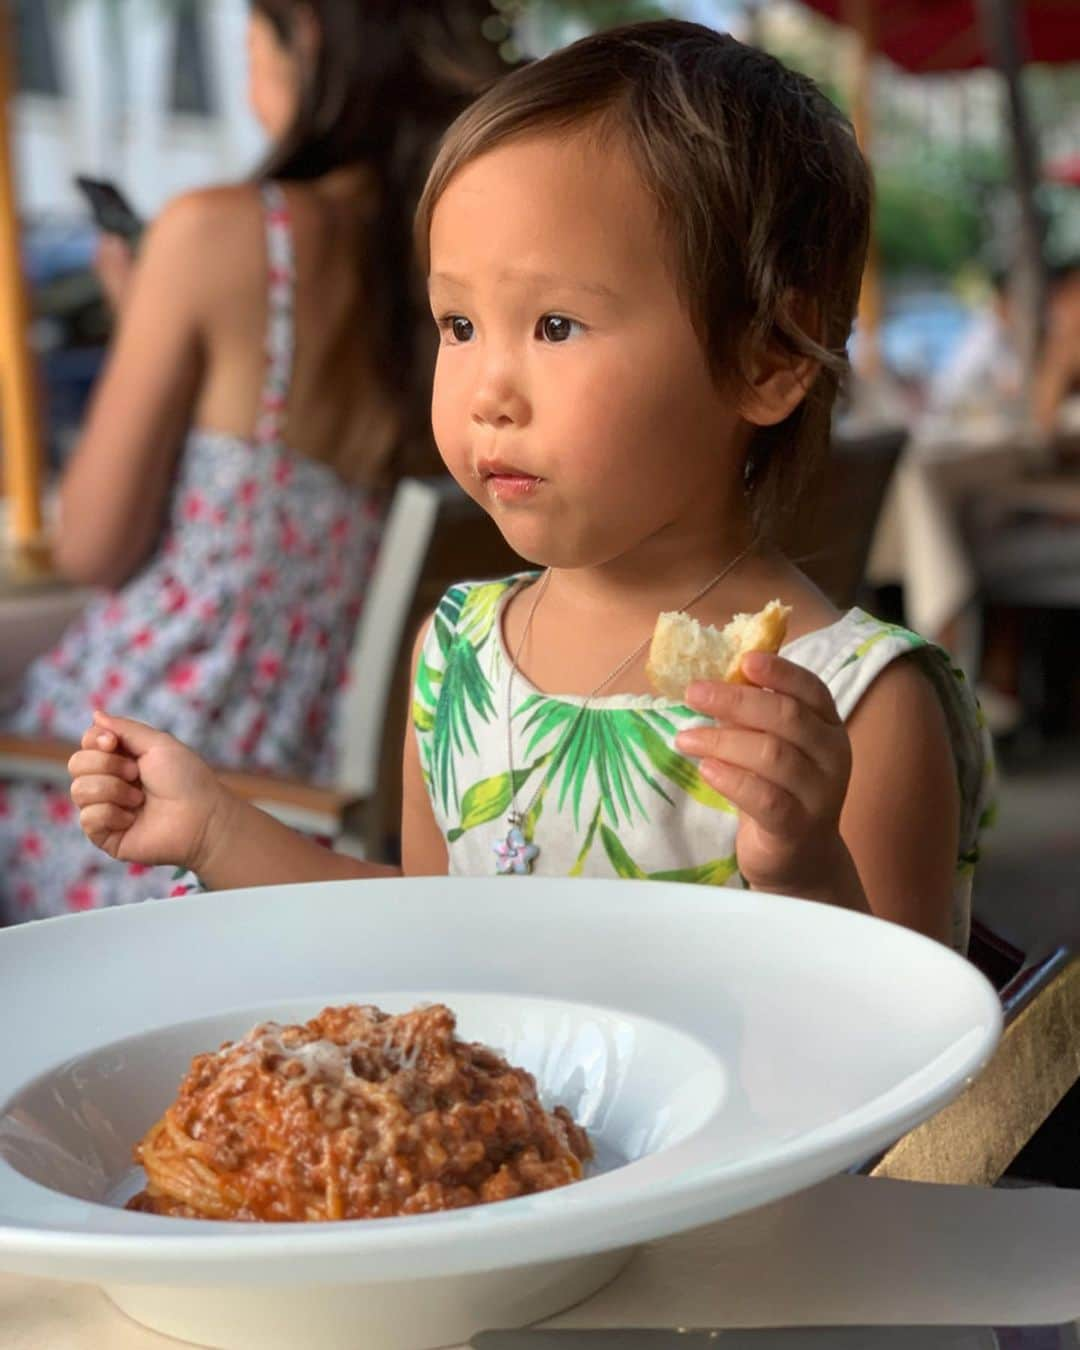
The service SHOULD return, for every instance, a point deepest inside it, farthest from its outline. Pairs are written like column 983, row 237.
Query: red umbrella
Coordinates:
column 928, row 36
column 925, row 36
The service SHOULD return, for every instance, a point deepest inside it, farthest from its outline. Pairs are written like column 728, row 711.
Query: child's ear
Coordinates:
column 777, row 378
column 777, row 382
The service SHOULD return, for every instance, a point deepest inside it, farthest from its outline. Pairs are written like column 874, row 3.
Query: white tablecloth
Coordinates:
column 919, row 542
column 854, row 1250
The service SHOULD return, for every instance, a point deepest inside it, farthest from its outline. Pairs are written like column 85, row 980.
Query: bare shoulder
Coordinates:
column 902, row 710
column 212, row 207
column 209, row 236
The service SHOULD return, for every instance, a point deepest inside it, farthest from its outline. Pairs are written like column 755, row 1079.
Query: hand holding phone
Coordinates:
column 111, row 210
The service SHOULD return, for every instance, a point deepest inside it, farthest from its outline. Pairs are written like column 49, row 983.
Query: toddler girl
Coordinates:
column 644, row 257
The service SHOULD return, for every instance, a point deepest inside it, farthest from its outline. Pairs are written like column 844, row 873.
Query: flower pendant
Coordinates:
column 514, row 854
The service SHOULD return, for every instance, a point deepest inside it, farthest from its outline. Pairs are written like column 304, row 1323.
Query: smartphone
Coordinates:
column 112, row 211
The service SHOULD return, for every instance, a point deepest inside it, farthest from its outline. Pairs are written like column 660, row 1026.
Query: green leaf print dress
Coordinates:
column 604, row 792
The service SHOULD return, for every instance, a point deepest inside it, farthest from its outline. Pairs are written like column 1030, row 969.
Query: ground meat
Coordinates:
column 356, row 1114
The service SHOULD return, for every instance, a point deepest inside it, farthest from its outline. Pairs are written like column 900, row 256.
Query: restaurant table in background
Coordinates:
column 921, row 541
column 851, row 1251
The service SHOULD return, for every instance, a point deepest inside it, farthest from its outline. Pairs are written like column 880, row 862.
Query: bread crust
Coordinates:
column 770, row 631
column 680, row 649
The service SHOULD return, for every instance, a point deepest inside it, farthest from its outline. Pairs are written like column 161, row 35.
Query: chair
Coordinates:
column 975, row 1139
column 434, row 535
column 461, row 542
column 1024, row 540
column 34, row 616
column 831, row 536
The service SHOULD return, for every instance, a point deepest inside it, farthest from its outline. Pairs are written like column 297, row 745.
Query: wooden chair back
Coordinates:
column 436, row 535
column 831, row 536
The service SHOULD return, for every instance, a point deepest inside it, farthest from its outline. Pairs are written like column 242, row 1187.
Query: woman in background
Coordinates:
column 264, row 388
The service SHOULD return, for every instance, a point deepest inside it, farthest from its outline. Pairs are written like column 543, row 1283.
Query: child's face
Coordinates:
column 572, row 396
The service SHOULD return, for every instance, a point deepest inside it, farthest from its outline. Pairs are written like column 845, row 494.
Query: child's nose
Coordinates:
column 499, row 402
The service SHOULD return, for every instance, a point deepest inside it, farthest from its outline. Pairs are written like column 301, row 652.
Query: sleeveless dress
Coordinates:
column 234, row 636
column 604, row 792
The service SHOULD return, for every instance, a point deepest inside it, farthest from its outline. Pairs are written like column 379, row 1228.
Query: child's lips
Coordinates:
column 507, row 483
column 512, row 487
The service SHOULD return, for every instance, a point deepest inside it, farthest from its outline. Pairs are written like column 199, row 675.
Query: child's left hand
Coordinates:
column 780, row 754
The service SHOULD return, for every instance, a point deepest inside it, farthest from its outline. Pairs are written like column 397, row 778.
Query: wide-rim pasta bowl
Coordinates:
column 723, row 1049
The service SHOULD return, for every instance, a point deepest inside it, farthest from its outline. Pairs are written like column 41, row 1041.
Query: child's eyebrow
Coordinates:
column 446, row 279
column 520, row 275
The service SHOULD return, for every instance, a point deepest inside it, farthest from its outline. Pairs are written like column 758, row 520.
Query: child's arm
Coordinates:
column 144, row 797
column 864, row 816
column 250, row 848
column 901, row 819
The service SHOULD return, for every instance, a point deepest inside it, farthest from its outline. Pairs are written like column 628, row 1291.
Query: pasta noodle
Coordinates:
column 355, row 1114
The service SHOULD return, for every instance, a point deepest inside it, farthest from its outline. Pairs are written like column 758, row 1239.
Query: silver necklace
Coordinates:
column 514, row 853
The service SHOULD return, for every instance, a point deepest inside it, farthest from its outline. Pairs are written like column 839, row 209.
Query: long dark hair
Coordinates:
column 387, row 79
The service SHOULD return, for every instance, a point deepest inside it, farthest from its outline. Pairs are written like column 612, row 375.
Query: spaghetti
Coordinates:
column 355, row 1114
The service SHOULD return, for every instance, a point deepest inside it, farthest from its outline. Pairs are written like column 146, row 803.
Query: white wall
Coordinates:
column 114, row 120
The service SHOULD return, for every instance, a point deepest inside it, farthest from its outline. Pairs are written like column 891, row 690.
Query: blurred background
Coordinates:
column 966, row 349
column 151, row 94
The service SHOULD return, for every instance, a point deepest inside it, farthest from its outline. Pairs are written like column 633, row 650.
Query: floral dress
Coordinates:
column 603, row 791
column 234, row 637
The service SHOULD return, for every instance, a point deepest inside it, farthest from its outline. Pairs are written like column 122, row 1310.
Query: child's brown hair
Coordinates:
column 759, row 185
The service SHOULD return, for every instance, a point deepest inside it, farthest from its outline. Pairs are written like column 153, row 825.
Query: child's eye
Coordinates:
column 456, row 327
column 556, row 327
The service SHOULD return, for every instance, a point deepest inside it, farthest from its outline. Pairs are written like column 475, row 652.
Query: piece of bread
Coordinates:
column 683, row 650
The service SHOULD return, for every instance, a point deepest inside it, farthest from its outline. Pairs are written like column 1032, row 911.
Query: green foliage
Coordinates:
column 922, row 229
column 602, row 13
column 817, row 59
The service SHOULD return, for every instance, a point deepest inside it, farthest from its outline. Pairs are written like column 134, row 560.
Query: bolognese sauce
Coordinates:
column 356, row 1114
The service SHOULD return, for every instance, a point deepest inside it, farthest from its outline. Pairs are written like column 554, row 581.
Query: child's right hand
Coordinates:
column 143, row 797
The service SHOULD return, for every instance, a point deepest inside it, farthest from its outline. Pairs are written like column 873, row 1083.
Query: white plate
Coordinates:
column 730, row 1047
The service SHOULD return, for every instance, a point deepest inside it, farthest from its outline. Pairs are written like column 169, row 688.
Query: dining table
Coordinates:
column 920, row 542
column 956, row 494
column 851, row 1251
